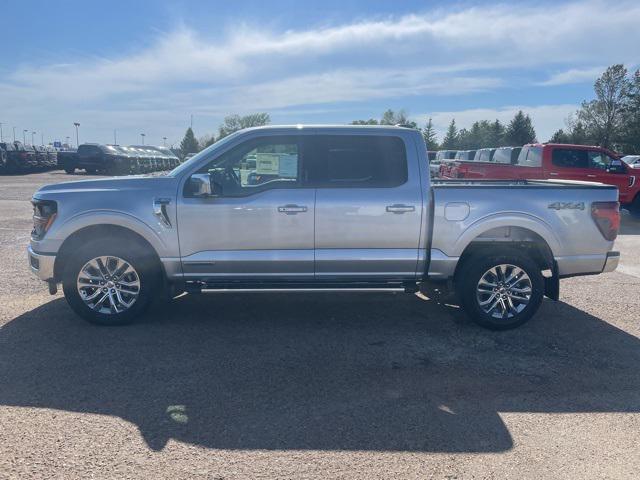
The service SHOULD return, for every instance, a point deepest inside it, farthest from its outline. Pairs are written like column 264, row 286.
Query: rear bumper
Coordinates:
column 613, row 258
column 41, row 265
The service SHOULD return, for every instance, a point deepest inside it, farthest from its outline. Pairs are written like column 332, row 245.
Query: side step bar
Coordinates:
column 233, row 287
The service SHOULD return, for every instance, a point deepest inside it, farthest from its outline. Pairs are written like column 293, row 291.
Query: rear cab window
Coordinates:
column 357, row 161
column 530, row 157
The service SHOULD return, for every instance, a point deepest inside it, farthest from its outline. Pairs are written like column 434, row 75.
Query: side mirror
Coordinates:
column 200, row 185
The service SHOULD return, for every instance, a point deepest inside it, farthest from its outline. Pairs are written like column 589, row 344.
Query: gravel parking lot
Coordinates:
column 315, row 385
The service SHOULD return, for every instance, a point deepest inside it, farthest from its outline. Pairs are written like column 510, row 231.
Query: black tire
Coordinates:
column 475, row 268
column 70, row 170
column 634, row 207
column 145, row 264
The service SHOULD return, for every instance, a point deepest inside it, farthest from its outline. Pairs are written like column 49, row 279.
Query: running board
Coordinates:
column 231, row 287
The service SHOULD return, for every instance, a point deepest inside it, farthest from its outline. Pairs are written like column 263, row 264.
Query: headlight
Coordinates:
column 44, row 214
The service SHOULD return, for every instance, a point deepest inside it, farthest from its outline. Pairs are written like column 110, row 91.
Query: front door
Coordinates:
column 368, row 207
column 260, row 226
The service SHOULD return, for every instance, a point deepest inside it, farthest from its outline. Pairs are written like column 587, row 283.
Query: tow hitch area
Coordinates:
column 53, row 287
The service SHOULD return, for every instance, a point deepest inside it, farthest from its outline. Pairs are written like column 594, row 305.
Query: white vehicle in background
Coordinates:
column 632, row 160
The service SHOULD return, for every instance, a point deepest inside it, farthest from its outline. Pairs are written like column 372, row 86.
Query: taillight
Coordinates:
column 607, row 218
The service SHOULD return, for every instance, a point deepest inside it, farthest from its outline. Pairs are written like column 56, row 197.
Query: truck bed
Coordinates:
column 466, row 183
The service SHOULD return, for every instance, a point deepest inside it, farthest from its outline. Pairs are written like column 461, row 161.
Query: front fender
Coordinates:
column 154, row 234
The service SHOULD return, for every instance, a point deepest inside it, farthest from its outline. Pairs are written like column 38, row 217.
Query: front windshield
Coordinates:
column 203, row 154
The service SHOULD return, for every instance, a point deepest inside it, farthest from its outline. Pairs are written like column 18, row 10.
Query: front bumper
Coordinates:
column 41, row 265
column 613, row 258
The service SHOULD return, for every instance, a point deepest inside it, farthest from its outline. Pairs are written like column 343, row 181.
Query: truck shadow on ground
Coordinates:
column 318, row 371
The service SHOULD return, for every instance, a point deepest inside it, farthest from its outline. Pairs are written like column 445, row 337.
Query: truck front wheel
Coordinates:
column 500, row 291
column 109, row 284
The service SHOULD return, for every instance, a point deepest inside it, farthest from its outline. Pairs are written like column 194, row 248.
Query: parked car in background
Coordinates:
column 97, row 158
column 68, row 160
column 52, row 156
column 484, row 155
column 8, row 158
column 507, row 155
column 363, row 215
column 27, row 159
column 632, row 160
column 563, row 162
column 465, row 155
column 444, row 158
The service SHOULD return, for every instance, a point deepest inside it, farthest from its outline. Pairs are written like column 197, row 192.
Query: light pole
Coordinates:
column 1, row 139
column 76, row 124
column 142, row 135
column 14, row 134
column 67, row 141
column 115, row 138
column 164, row 141
column 24, row 136
column 32, row 140
column 42, row 138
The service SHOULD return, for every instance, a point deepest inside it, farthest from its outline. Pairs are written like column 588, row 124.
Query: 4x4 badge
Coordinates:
column 567, row 205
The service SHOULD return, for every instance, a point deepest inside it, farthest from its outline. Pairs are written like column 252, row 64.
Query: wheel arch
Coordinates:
column 513, row 238
column 100, row 232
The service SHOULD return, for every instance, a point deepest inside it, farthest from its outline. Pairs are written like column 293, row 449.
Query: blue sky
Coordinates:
column 143, row 66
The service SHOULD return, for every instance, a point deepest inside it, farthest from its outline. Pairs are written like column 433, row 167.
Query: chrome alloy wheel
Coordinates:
column 504, row 291
column 108, row 285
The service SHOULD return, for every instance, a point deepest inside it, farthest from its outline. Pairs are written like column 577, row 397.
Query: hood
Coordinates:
column 120, row 184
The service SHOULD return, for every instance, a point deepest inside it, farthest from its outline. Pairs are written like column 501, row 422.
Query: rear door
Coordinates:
column 570, row 164
column 368, row 206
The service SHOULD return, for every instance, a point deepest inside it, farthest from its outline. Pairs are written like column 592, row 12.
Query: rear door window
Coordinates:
column 363, row 161
column 570, row 158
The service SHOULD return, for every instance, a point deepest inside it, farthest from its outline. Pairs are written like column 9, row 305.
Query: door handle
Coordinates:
column 590, row 175
column 292, row 209
column 554, row 174
column 399, row 208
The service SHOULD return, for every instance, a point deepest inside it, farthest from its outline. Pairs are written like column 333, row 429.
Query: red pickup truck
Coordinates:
column 562, row 162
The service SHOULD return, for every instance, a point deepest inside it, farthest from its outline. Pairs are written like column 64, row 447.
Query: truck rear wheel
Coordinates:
column 108, row 284
column 500, row 291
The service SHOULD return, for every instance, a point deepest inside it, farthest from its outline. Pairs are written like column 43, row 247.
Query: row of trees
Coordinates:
column 612, row 118
column 231, row 123
column 481, row 134
column 484, row 133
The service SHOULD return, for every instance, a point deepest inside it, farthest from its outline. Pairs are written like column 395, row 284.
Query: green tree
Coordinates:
column 560, row 136
column 603, row 117
column 520, row 130
column 495, row 134
column 189, row 143
column 371, row 121
column 233, row 123
column 630, row 135
column 429, row 134
column 397, row 118
column 450, row 140
column 207, row 140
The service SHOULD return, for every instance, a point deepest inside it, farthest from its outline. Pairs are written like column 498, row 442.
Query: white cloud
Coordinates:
column 459, row 50
column 546, row 118
column 574, row 75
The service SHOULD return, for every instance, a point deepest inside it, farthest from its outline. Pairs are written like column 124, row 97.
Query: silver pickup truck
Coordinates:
column 318, row 208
